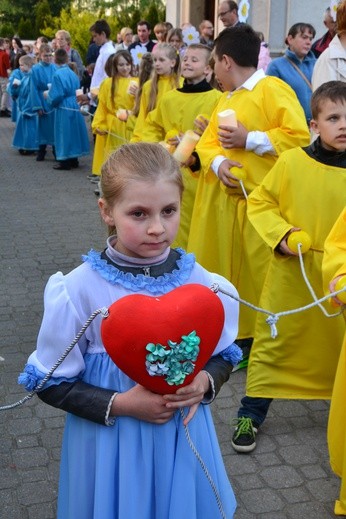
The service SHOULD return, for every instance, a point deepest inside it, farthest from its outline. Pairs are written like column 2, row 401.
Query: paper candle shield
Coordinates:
column 178, row 327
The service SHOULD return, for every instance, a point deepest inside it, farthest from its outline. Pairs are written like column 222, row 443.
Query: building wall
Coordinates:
column 272, row 17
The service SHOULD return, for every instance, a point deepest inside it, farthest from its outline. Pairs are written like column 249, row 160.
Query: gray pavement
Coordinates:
column 48, row 219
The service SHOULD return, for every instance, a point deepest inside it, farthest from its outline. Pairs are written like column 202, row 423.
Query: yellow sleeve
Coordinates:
column 263, row 205
column 100, row 117
column 334, row 259
column 287, row 123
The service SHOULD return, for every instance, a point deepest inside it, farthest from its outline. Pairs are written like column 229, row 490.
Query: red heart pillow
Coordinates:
column 170, row 336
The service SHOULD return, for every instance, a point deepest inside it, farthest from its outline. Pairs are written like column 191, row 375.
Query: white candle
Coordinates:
column 49, row 85
column 227, row 118
column 16, row 81
column 79, row 92
column 132, row 86
column 186, row 146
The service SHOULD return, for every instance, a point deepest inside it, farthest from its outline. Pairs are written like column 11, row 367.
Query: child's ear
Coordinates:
column 314, row 126
column 105, row 212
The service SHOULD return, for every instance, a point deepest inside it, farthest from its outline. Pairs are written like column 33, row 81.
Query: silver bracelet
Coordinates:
column 110, row 421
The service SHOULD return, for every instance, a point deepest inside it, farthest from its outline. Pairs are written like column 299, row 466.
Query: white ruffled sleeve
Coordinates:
column 60, row 325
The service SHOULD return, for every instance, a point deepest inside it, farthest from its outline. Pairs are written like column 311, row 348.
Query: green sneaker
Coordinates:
column 244, row 437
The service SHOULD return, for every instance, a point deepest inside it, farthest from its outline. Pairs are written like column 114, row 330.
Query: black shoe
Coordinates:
column 5, row 113
column 244, row 437
column 62, row 166
column 74, row 163
column 93, row 177
column 41, row 155
column 97, row 192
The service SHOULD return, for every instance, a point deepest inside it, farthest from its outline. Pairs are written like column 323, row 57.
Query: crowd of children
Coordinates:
column 246, row 185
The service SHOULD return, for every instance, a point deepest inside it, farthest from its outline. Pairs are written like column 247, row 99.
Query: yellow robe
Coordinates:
column 165, row 84
column 105, row 119
column 220, row 234
column 178, row 110
column 334, row 264
column 301, row 361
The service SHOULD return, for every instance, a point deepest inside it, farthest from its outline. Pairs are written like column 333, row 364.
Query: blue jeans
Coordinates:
column 254, row 408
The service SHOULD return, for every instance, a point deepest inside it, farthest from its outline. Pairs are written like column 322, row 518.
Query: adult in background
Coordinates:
column 143, row 33
column 297, row 64
column 322, row 44
column 206, row 30
column 63, row 41
column 331, row 65
column 4, row 67
column 16, row 51
column 126, row 39
column 228, row 13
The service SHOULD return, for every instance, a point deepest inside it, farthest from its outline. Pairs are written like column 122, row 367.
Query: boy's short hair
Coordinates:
column 101, row 26
column 26, row 60
column 240, row 43
column 199, row 46
column 60, row 56
column 331, row 90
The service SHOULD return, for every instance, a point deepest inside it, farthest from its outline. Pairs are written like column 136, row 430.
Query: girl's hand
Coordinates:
column 83, row 99
column 133, row 89
column 284, row 248
column 232, row 137
column 225, row 175
column 332, row 284
column 189, row 396
column 142, row 404
column 174, row 141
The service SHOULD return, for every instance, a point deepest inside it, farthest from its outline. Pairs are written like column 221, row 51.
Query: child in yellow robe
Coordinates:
column 114, row 98
column 305, row 190
column 176, row 112
column 334, row 267
column 270, row 120
column 165, row 77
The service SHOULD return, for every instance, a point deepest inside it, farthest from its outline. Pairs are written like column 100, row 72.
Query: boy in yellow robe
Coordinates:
column 177, row 111
column 334, row 267
column 270, row 121
column 305, row 190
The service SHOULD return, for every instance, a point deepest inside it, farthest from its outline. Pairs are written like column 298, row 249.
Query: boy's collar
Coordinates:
column 251, row 82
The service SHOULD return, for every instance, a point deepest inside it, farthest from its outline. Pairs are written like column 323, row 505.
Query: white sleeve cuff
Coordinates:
column 216, row 163
column 259, row 143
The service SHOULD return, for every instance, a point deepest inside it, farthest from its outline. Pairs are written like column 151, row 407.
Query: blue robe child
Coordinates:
column 25, row 134
column 70, row 133
column 42, row 74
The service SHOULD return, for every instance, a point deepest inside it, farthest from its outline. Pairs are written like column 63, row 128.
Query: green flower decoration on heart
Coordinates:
column 174, row 362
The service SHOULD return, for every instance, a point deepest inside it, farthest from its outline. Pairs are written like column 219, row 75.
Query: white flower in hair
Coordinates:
column 190, row 35
column 243, row 10
column 333, row 7
column 137, row 54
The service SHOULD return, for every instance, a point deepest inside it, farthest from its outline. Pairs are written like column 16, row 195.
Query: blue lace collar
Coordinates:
column 139, row 282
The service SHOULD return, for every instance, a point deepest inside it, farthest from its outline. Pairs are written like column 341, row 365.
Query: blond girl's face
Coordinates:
column 123, row 67
column 162, row 64
column 146, row 217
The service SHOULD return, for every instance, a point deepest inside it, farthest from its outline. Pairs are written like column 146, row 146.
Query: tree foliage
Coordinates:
column 31, row 18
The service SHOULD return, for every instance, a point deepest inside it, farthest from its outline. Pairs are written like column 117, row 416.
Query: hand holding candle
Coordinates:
column 341, row 285
column 186, row 146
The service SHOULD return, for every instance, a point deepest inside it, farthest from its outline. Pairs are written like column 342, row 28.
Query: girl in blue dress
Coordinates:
column 125, row 452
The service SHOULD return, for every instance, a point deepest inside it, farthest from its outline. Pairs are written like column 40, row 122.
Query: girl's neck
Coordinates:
column 124, row 261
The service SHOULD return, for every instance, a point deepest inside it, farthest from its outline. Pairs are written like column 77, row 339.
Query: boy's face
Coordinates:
column 330, row 125
column 23, row 67
column 194, row 66
column 223, row 72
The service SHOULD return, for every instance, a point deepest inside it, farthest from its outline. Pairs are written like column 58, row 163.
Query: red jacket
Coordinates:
column 4, row 63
